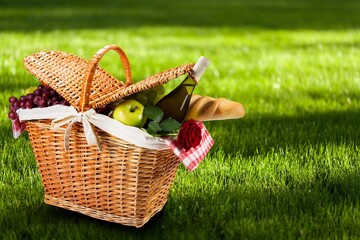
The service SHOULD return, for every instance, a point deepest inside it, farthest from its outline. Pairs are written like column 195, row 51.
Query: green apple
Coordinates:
column 130, row 112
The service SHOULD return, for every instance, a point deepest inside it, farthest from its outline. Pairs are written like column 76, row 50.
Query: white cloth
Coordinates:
column 68, row 115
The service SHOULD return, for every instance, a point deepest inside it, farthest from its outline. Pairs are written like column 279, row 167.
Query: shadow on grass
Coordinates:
column 313, row 209
column 41, row 221
column 52, row 15
column 261, row 134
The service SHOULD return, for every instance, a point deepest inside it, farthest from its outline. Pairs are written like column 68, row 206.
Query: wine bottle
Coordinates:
column 175, row 104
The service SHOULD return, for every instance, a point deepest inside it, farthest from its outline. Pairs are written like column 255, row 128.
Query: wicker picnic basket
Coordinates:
column 123, row 183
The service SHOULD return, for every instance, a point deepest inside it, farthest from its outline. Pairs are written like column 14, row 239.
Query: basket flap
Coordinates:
column 150, row 82
column 65, row 73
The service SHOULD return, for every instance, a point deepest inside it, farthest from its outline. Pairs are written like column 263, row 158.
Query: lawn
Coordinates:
column 289, row 170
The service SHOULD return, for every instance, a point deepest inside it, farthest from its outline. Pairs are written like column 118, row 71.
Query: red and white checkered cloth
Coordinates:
column 192, row 157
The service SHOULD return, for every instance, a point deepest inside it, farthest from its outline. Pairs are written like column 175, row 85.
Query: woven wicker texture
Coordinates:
column 123, row 183
column 67, row 73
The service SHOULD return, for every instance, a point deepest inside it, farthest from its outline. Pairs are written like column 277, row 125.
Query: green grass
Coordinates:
column 288, row 170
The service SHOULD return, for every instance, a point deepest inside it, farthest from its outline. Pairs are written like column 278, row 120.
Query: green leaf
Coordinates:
column 153, row 113
column 170, row 125
column 153, row 127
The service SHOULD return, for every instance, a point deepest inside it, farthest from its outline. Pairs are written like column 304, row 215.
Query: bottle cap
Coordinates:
column 200, row 67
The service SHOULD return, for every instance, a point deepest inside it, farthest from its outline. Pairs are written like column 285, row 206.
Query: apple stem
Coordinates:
column 133, row 109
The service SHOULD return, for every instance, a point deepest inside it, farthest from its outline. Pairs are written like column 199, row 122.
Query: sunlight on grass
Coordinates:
column 264, row 169
column 289, row 169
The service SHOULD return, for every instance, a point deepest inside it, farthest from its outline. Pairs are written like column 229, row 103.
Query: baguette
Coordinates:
column 204, row 108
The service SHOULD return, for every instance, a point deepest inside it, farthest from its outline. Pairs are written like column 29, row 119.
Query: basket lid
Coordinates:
column 76, row 79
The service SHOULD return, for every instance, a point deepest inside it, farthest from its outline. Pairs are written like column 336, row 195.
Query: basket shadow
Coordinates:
column 37, row 15
column 263, row 133
column 207, row 214
column 53, row 221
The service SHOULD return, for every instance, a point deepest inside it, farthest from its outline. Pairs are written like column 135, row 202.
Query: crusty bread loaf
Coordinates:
column 204, row 108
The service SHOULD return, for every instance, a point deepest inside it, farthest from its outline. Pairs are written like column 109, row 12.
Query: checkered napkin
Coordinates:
column 193, row 156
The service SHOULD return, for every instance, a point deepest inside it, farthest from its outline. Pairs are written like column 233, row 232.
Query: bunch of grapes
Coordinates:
column 42, row 96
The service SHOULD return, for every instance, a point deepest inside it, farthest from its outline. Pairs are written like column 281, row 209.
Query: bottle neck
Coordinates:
column 199, row 68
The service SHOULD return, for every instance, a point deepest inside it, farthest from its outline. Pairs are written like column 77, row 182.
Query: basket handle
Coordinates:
column 90, row 72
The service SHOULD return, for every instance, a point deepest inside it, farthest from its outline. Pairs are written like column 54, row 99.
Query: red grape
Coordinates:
column 13, row 99
column 42, row 103
column 29, row 104
column 12, row 115
column 45, row 95
column 22, row 98
column 16, row 104
column 42, row 96
column 12, row 108
column 65, row 103
column 38, row 92
column 50, row 102
column 36, row 100
column 30, row 96
column 22, row 104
